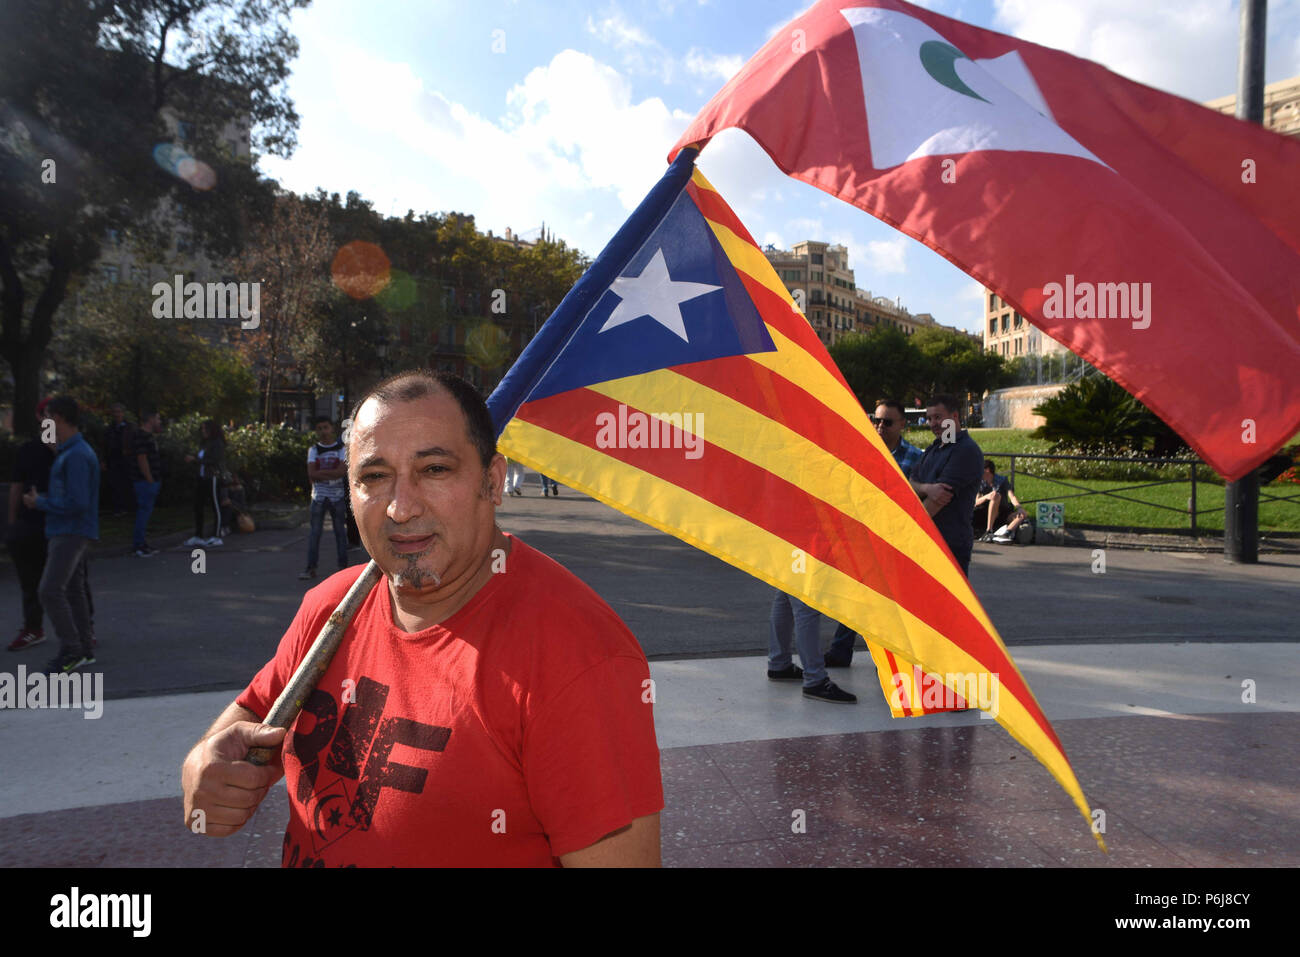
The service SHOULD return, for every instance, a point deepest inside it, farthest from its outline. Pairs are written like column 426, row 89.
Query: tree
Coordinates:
column 955, row 363
column 289, row 256
column 118, row 352
column 90, row 93
column 880, row 364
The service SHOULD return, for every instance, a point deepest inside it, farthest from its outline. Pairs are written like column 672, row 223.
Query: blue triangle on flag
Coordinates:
column 612, row 342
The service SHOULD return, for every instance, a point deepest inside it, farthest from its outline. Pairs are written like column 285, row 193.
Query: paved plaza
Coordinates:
column 1172, row 680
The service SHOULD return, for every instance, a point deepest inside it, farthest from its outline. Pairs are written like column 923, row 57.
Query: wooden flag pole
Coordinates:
column 313, row 665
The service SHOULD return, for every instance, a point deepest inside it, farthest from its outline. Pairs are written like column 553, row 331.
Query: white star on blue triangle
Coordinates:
column 655, row 294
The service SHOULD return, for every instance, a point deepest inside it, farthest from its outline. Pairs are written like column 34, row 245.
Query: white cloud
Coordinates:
column 1186, row 47
column 705, row 64
column 640, row 53
column 886, row 255
column 578, row 107
column 572, row 141
column 776, row 28
column 618, row 32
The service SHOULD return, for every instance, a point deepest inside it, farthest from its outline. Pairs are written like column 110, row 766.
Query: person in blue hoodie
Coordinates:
column 71, row 508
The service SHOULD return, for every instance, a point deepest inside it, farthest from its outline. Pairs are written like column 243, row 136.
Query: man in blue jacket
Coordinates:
column 71, row 508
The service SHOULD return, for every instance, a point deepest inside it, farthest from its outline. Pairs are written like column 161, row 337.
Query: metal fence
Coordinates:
column 1189, row 514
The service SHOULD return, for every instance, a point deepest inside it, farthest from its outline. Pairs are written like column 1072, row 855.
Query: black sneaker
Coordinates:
column 830, row 691
column 64, row 664
column 792, row 673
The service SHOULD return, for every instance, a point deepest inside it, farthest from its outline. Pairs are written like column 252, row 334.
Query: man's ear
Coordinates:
column 495, row 478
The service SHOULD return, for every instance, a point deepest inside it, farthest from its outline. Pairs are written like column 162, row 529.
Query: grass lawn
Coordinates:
column 1105, row 510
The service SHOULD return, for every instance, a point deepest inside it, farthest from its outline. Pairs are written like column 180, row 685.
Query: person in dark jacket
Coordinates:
column 26, row 533
column 71, row 508
column 117, row 460
column 210, row 461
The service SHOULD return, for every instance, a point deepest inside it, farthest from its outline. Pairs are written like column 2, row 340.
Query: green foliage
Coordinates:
column 888, row 363
column 271, row 460
column 90, row 88
column 116, row 351
column 956, row 363
column 1097, row 416
column 882, row 363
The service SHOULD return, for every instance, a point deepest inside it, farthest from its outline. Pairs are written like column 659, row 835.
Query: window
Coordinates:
column 113, row 237
column 110, row 274
column 816, row 275
column 993, row 327
column 1004, row 348
column 1006, row 323
column 184, row 131
column 1019, row 320
column 993, row 301
column 816, row 259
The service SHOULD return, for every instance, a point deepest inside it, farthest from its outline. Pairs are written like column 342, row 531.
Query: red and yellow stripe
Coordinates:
column 795, row 487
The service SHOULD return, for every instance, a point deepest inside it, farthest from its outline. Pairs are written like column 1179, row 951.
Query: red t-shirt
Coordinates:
column 516, row 731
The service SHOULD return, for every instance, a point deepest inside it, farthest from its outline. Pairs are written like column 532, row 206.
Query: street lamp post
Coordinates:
column 1241, row 498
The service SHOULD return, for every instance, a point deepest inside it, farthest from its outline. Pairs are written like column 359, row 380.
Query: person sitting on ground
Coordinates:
column 997, row 510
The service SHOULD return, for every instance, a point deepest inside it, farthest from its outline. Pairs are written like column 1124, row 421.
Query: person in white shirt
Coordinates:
column 327, row 467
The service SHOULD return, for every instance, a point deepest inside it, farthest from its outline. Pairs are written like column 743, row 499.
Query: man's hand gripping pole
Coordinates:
column 313, row 665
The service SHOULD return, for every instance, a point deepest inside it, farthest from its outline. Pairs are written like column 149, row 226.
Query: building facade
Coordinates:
column 819, row 278
column 1281, row 106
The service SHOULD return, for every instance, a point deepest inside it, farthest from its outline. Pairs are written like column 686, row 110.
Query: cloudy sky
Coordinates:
column 562, row 112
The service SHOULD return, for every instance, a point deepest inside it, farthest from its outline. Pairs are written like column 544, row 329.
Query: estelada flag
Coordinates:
column 679, row 383
column 1152, row 236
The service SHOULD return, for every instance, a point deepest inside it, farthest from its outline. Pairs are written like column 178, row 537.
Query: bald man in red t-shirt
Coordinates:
column 485, row 707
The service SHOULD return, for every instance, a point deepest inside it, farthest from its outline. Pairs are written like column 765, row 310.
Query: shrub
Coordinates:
column 1097, row 416
column 271, row 461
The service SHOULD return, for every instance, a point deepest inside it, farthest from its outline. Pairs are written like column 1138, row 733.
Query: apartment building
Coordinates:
column 818, row 275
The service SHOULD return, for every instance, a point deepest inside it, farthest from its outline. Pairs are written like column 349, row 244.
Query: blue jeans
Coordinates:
column 338, row 514
column 146, row 493
column 791, row 616
column 549, row 483
column 842, row 644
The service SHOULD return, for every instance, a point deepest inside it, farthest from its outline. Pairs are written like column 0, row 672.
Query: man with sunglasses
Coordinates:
column 889, row 421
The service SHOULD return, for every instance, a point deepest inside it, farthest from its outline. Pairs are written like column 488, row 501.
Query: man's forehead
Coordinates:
column 435, row 413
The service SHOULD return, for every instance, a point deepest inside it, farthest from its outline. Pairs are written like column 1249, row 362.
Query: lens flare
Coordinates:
column 197, row 173
column 360, row 269
column 399, row 294
column 185, row 167
column 487, row 345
